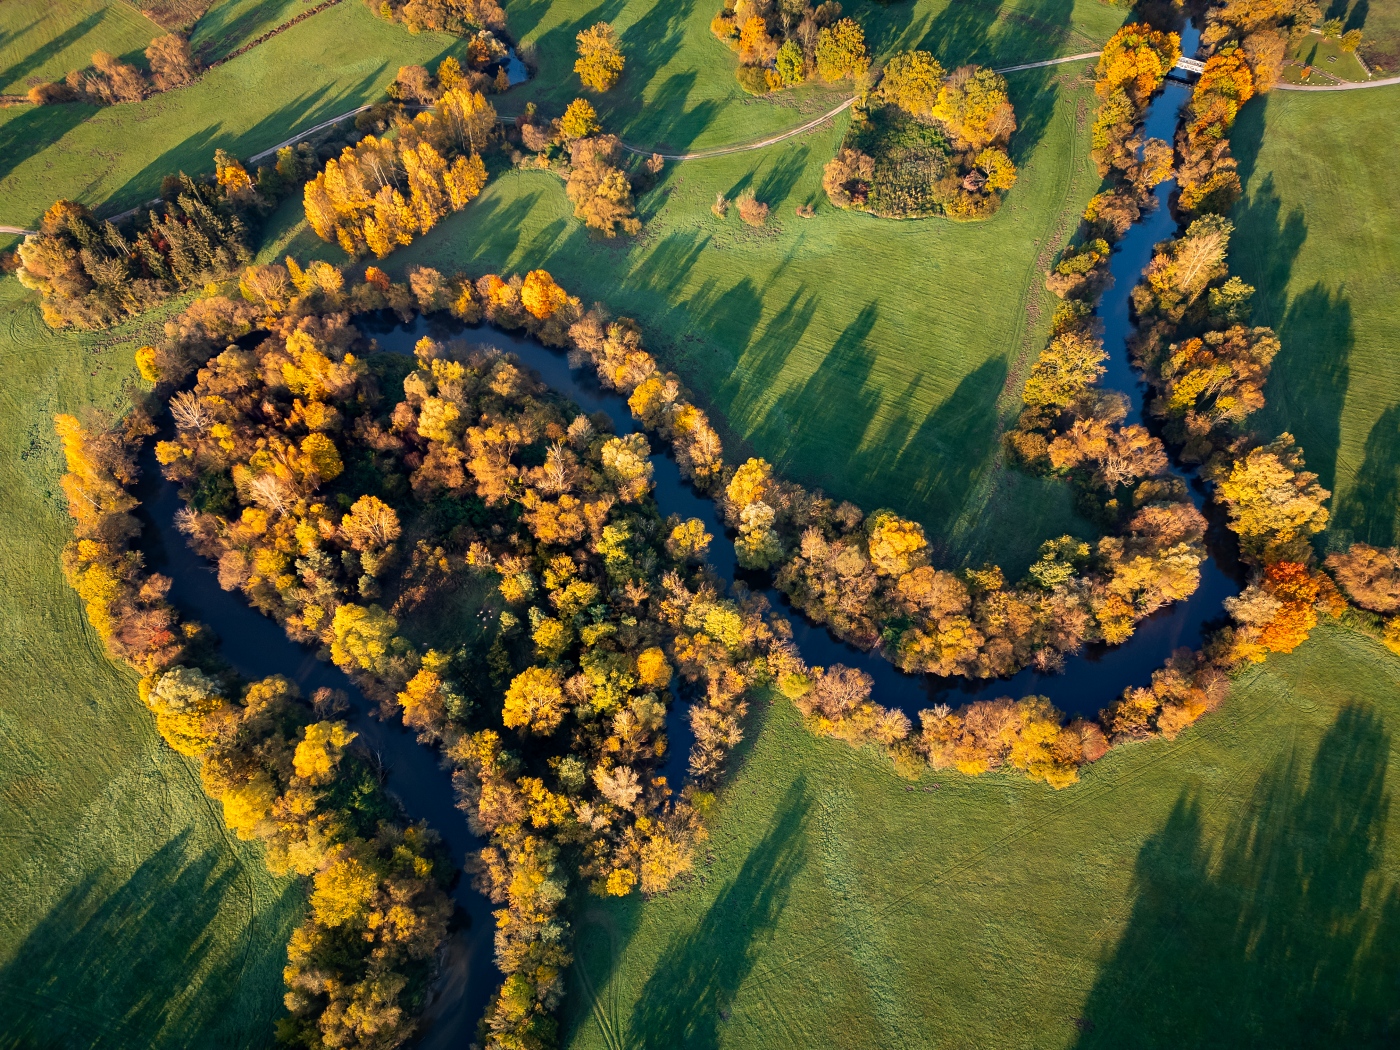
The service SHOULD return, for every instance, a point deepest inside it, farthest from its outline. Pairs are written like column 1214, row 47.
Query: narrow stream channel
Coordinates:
column 257, row 647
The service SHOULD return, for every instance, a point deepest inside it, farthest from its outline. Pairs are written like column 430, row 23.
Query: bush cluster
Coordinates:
column 783, row 43
column 95, row 274
column 925, row 143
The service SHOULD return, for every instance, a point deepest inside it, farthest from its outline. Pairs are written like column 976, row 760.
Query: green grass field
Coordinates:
column 1239, row 887
column 113, row 158
column 128, row 916
column 40, row 42
column 871, row 357
column 679, row 92
column 1319, row 236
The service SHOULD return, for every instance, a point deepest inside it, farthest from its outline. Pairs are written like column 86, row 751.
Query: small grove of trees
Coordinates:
column 285, row 772
column 783, row 43
column 926, row 143
column 1132, row 66
column 481, row 22
column 1245, row 44
column 95, row 274
column 384, row 191
column 109, row 81
column 575, row 147
column 600, row 59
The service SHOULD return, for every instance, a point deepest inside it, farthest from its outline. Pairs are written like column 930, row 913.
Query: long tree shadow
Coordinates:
column 108, row 966
column 1284, row 935
column 1312, row 373
column 36, row 129
column 48, row 49
column 1368, row 509
column 689, row 995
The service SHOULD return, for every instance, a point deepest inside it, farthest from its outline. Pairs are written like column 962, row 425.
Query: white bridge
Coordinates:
column 1189, row 68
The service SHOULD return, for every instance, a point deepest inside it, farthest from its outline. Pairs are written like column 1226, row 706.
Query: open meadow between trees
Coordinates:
column 1319, row 236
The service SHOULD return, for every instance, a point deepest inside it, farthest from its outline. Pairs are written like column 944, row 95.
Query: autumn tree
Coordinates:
column 1369, row 575
column 580, row 120
column 535, row 701
column 600, row 191
column 1275, row 504
column 600, row 60
column 841, row 52
column 912, row 81
column 1136, row 60
column 973, row 105
column 171, row 63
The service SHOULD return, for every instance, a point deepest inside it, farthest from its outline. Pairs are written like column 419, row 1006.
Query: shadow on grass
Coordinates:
column 35, row 129
column 1284, row 935
column 109, row 966
column 195, row 154
column 689, row 994
column 1310, row 377
column 48, row 49
column 1367, row 510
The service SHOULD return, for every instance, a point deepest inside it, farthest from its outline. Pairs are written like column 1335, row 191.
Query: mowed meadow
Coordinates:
column 1319, row 236
column 129, row 916
column 113, row 157
column 1238, row 887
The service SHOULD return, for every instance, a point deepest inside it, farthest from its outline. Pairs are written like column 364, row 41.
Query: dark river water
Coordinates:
column 257, row 647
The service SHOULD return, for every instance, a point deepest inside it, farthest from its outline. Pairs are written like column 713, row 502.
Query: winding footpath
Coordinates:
column 724, row 151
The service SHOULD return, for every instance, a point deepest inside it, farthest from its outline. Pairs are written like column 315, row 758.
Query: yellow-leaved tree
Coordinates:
column 600, row 59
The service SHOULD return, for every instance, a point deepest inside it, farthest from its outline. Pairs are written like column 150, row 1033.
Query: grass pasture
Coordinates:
column 1319, row 237
column 40, row 42
column 128, row 916
column 679, row 92
column 1239, row 887
column 113, row 158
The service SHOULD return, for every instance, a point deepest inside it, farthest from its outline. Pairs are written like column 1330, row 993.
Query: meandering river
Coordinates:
column 257, row 647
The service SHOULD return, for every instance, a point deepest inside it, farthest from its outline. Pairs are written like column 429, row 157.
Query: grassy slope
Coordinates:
column 128, row 916
column 115, row 157
column 46, row 40
column 230, row 23
column 1179, row 896
column 1319, row 236
column 679, row 91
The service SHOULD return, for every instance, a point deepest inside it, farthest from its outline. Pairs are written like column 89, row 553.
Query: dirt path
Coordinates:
column 772, row 140
column 1338, row 87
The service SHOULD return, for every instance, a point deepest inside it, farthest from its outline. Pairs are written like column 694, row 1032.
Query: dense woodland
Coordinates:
column 339, row 510
column 925, row 142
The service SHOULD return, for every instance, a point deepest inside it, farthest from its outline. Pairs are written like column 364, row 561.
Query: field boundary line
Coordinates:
column 1339, row 87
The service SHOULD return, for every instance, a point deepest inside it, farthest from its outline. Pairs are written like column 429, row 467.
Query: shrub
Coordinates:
column 751, row 210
